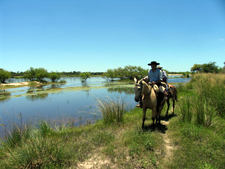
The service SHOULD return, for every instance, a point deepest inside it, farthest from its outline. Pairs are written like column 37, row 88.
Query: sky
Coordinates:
column 96, row 35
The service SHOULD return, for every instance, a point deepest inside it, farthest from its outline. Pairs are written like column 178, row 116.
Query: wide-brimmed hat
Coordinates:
column 159, row 67
column 153, row 63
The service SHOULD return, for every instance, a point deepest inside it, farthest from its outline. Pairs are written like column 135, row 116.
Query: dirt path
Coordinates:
column 94, row 162
column 169, row 147
column 168, row 144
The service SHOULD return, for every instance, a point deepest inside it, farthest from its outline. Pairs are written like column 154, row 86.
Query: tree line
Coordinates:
column 127, row 72
column 210, row 67
column 63, row 73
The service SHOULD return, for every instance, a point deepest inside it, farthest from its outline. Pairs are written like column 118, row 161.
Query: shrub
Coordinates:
column 41, row 73
column 110, row 74
column 4, row 75
column 84, row 76
column 30, row 74
column 54, row 76
column 112, row 111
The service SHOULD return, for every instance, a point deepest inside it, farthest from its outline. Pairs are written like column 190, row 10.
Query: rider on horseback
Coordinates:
column 155, row 77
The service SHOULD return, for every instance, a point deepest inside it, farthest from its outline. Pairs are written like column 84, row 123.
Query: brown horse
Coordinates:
column 148, row 95
column 172, row 93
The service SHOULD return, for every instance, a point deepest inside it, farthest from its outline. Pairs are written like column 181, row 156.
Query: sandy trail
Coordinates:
column 18, row 84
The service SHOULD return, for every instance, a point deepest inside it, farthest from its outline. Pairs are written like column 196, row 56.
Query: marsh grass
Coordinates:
column 112, row 111
column 4, row 94
column 199, row 132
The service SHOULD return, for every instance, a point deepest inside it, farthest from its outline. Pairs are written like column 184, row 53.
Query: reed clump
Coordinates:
column 208, row 100
column 112, row 111
column 199, row 130
column 4, row 94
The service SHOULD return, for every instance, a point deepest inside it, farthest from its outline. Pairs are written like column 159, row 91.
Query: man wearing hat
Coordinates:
column 164, row 75
column 154, row 74
column 155, row 77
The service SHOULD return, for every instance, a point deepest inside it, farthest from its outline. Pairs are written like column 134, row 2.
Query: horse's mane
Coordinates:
column 146, row 89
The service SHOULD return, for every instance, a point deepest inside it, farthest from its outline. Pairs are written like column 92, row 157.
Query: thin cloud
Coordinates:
column 221, row 39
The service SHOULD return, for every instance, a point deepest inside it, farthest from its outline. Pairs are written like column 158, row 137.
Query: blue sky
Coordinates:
column 96, row 35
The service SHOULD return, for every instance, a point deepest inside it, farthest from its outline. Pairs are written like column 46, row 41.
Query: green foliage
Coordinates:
column 110, row 74
column 186, row 74
column 128, row 72
column 4, row 94
column 38, row 73
column 135, row 71
column 4, row 75
column 54, row 76
column 44, row 128
column 30, row 74
column 120, row 73
column 62, row 81
column 205, row 68
column 85, row 75
column 39, row 152
column 199, row 130
column 41, row 73
column 196, row 68
column 112, row 111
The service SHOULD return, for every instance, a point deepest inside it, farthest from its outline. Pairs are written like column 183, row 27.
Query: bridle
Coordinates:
column 140, row 85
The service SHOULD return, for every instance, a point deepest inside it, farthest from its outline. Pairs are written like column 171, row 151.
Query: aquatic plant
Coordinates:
column 112, row 110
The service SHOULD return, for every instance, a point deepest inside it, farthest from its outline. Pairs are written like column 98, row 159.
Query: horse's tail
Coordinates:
column 175, row 92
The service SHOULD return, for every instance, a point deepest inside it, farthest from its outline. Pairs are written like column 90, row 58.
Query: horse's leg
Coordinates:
column 154, row 113
column 173, row 105
column 168, row 105
column 144, row 114
column 158, row 114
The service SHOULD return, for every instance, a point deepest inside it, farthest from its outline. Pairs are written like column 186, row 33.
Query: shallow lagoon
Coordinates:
column 71, row 101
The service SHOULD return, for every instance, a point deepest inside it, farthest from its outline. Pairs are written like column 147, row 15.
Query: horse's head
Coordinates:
column 137, row 90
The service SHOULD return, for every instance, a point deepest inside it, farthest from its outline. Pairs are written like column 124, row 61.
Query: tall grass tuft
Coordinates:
column 16, row 135
column 38, row 153
column 212, row 88
column 209, row 100
column 44, row 128
column 112, row 110
column 186, row 111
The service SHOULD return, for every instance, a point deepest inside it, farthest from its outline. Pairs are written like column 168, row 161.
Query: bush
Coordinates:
column 4, row 75
column 54, row 76
column 30, row 74
column 84, row 76
column 112, row 111
column 41, row 73
column 128, row 72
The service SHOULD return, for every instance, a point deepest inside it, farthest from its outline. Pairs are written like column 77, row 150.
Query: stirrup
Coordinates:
column 139, row 105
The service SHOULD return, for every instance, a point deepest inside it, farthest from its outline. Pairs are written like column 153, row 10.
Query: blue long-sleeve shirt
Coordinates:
column 154, row 76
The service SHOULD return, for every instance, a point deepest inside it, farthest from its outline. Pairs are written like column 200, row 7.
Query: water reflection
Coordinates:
column 4, row 95
column 126, row 90
column 55, row 86
column 39, row 96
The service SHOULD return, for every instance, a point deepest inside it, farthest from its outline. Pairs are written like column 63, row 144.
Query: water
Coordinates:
column 73, row 100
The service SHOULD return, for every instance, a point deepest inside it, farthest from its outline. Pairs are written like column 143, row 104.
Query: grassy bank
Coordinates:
column 192, row 138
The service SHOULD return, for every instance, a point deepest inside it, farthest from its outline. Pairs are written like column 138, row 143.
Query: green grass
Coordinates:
column 4, row 94
column 112, row 110
column 196, row 135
